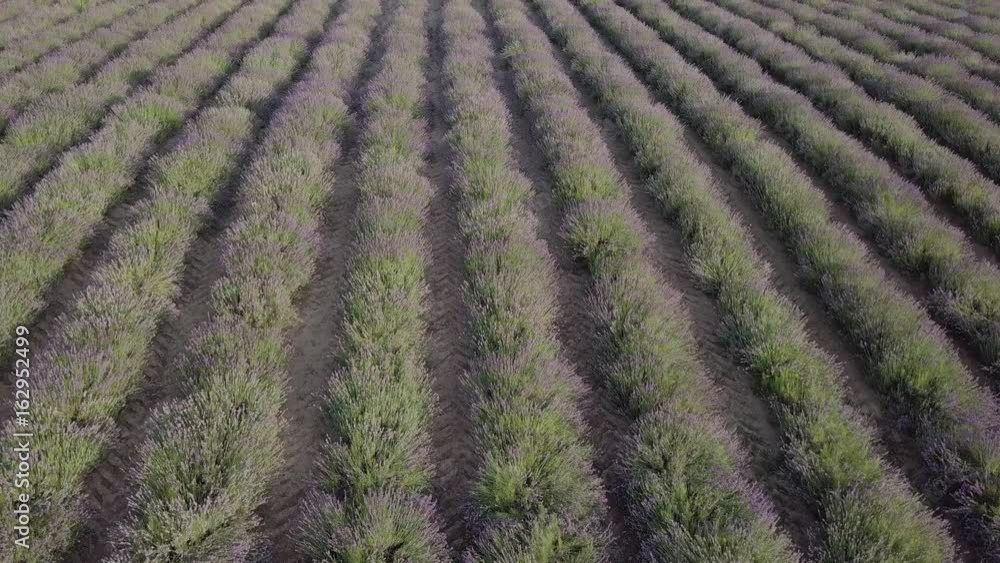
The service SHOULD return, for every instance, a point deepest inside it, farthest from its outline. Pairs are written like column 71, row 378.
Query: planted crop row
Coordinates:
column 916, row 39
column 372, row 502
column 865, row 508
column 943, row 116
column 915, row 29
column 186, row 500
column 271, row 252
column 100, row 348
column 966, row 292
column 73, row 62
column 54, row 123
column 912, row 39
column 981, row 22
column 15, row 12
column 685, row 476
column 977, row 91
column 28, row 49
column 937, row 9
column 44, row 232
column 905, row 355
column 942, row 175
column 535, row 490
column 34, row 19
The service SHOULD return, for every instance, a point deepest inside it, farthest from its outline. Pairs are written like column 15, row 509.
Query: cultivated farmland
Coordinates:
column 500, row 281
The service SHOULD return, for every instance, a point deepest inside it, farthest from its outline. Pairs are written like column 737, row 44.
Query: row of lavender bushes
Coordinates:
column 979, row 18
column 187, row 500
column 936, row 65
column 28, row 49
column 534, row 490
column 20, row 18
column 923, row 33
column 99, row 349
column 37, row 135
column 372, row 500
column 906, row 355
column 76, row 60
column 685, row 475
column 942, row 116
column 45, row 231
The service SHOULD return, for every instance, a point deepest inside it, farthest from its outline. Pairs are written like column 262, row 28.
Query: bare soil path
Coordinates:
column 450, row 345
column 315, row 343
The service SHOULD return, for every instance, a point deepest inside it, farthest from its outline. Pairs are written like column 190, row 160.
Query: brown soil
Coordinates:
column 943, row 210
column 107, row 499
column 448, row 318
column 576, row 331
column 916, row 289
column 748, row 411
column 312, row 362
column 821, row 327
column 314, row 342
column 744, row 408
column 919, row 290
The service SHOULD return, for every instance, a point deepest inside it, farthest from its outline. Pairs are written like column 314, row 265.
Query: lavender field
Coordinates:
column 511, row 281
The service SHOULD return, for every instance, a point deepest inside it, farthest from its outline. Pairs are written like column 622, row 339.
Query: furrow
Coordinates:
column 912, row 100
column 941, row 67
column 320, row 250
column 29, row 49
column 79, row 60
column 965, row 292
column 449, row 340
column 233, row 368
column 942, row 175
column 925, row 34
column 35, row 19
